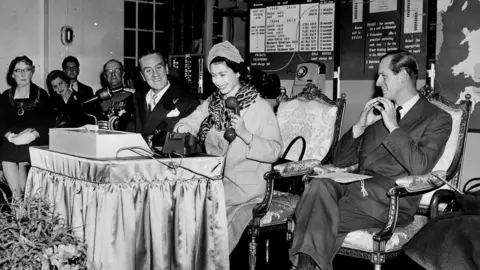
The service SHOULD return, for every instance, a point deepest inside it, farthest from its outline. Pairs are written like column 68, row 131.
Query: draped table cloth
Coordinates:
column 137, row 213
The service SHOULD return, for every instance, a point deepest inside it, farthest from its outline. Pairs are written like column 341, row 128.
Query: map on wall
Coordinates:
column 458, row 52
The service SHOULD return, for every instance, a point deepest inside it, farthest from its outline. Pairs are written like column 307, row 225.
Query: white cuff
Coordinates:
column 10, row 137
column 31, row 136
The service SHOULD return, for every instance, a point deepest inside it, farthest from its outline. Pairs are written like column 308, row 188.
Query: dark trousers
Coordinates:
column 324, row 216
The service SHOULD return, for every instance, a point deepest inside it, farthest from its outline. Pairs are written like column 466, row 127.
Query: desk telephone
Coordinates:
column 181, row 143
column 309, row 72
column 186, row 143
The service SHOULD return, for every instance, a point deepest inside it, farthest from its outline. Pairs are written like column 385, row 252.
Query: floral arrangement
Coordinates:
column 33, row 237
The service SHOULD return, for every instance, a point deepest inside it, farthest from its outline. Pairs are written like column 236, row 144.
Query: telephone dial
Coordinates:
column 302, row 71
column 309, row 72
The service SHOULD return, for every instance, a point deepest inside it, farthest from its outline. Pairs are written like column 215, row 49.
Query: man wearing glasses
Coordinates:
column 163, row 103
column 71, row 67
column 113, row 107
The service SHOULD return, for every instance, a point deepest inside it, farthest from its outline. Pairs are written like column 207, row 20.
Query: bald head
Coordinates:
column 113, row 73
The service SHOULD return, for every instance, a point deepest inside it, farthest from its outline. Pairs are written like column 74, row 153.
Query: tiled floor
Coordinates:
column 278, row 259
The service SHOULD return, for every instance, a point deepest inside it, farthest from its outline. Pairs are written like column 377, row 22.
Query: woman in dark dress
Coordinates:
column 66, row 103
column 25, row 117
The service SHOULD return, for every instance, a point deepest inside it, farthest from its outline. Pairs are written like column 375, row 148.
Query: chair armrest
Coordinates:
column 261, row 209
column 284, row 170
column 406, row 186
column 421, row 183
column 386, row 232
column 330, row 168
column 297, row 168
column 440, row 196
column 380, row 239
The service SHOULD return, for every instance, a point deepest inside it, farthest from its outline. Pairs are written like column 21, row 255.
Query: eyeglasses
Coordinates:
column 117, row 71
column 19, row 71
column 71, row 68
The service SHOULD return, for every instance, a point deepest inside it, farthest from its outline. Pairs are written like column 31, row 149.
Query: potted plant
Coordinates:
column 33, row 237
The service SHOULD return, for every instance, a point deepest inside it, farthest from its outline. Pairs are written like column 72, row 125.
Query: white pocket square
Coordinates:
column 173, row 113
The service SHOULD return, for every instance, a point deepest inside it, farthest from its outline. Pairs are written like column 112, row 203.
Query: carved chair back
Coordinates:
column 452, row 157
column 316, row 118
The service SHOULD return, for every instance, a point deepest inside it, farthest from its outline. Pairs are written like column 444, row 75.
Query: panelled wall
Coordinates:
column 32, row 28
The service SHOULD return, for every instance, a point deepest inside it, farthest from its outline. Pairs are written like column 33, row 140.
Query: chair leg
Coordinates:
column 267, row 251
column 290, row 230
column 252, row 258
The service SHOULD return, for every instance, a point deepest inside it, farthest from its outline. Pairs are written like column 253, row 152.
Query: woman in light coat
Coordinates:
column 258, row 143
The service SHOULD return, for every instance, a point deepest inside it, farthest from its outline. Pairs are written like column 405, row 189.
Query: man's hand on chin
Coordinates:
column 367, row 118
column 389, row 114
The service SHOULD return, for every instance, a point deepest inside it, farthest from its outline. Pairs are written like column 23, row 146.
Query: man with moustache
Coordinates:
column 384, row 148
column 113, row 107
column 71, row 67
column 159, row 107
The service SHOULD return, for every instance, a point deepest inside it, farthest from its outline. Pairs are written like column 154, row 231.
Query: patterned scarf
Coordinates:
column 219, row 116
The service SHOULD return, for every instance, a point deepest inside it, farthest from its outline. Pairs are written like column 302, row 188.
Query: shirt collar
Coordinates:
column 152, row 98
column 152, row 95
column 74, row 86
column 409, row 104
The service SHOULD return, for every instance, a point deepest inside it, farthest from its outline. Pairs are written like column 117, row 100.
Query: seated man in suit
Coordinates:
column 160, row 107
column 383, row 147
column 71, row 67
column 113, row 106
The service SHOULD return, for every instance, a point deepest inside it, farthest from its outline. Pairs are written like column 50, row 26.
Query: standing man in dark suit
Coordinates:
column 160, row 107
column 383, row 147
column 71, row 67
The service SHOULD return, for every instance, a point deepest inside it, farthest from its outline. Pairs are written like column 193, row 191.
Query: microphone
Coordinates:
column 103, row 94
column 157, row 137
column 161, row 127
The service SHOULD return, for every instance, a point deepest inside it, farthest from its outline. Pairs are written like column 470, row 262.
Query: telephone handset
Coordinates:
column 231, row 103
column 377, row 111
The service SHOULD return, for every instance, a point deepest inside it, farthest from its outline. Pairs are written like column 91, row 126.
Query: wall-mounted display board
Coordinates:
column 370, row 28
column 284, row 34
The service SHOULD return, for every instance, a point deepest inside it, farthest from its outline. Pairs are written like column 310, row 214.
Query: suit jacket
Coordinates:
column 85, row 91
column 158, row 122
column 412, row 149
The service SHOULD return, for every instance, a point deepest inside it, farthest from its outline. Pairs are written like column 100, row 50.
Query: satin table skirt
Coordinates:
column 137, row 213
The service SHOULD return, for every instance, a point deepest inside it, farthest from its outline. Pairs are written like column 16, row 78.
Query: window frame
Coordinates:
column 155, row 5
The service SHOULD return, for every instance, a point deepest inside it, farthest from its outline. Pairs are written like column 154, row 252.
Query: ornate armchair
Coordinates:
column 316, row 120
column 380, row 245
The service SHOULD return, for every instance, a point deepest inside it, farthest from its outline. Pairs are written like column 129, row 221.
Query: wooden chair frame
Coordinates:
column 379, row 255
column 254, row 229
